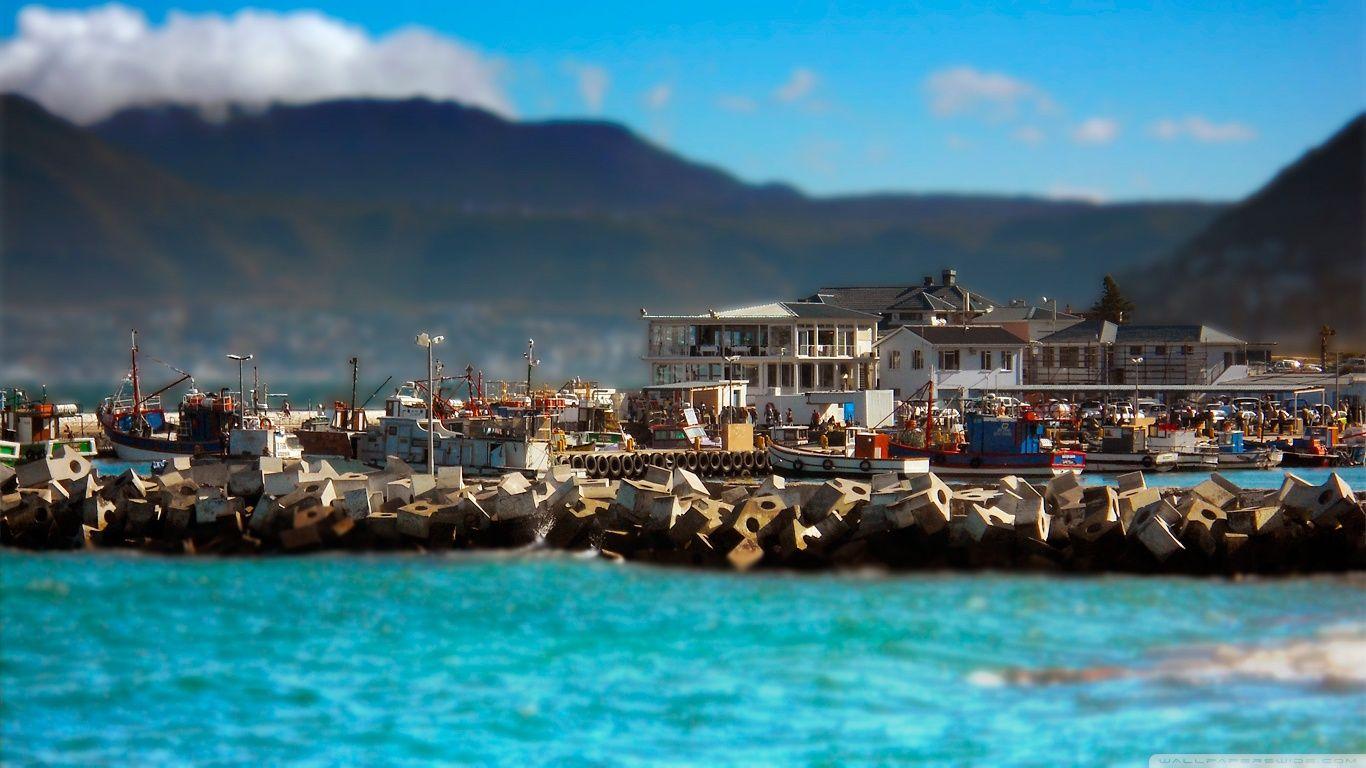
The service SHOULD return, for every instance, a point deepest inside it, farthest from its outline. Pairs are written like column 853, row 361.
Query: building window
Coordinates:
column 895, row 362
column 1007, row 361
column 917, row 359
column 1135, row 351
column 1159, row 350
column 1048, row 357
column 1067, row 357
column 948, row 359
column 986, row 360
column 1090, row 358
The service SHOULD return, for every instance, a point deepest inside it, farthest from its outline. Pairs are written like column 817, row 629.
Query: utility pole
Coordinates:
column 1324, row 333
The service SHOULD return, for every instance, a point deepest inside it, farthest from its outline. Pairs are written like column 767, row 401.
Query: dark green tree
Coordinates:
column 1111, row 305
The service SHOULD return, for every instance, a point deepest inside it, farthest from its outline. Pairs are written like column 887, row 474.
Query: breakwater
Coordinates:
column 675, row 517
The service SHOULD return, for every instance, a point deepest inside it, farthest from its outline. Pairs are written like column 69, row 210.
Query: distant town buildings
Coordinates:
column 1101, row 352
column 901, row 337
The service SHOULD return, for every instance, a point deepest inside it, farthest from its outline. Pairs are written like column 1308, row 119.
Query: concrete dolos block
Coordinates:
column 1158, row 538
column 927, row 507
column 983, row 522
column 833, row 497
column 68, row 466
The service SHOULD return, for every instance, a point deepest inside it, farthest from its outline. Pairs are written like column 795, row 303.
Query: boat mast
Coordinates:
column 929, row 418
column 137, row 388
column 355, row 367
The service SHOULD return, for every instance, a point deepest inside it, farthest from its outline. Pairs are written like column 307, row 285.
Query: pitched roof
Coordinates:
column 1107, row 332
column 1102, row 331
column 884, row 298
column 1174, row 334
column 961, row 335
column 777, row 310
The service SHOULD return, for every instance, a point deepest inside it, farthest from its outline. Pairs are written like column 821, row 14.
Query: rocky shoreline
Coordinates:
column 269, row 506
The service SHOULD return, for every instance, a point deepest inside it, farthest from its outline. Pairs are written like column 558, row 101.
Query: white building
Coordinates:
column 961, row 360
column 783, row 347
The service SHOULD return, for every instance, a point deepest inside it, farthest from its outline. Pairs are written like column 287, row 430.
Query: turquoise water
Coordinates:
column 109, row 658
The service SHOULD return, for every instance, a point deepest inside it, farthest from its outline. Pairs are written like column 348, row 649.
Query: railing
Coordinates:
column 122, row 404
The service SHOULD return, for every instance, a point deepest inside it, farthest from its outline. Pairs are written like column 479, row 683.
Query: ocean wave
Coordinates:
column 1335, row 657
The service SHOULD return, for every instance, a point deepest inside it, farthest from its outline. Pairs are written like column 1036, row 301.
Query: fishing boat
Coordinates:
column 1192, row 454
column 1125, row 449
column 790, row 459
column 31, row 429
column 139, row 427
column 994, row 446
column 336, row 433
column 1317, row 448
column 989, row 445
column 487, row 445
column 1236, row 453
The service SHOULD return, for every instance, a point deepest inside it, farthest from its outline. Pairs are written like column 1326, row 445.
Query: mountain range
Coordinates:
column 1285, row 261
column 317, row 231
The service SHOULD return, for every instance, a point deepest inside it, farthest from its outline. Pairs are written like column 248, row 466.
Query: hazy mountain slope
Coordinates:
column 421, row 151
column 1288, row 259
column 301, row 240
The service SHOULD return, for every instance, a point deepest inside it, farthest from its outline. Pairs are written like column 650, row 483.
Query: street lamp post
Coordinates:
column 1053, row 326
column 531, row 362
column 240, row 360
column 429, row 341
column 1136, row 361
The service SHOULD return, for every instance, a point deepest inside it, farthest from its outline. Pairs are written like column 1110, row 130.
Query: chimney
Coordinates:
column 950, row 276
column 929, row 281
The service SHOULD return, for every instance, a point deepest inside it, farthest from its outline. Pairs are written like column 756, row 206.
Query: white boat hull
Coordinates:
column 1130, row 462
column 807, row 462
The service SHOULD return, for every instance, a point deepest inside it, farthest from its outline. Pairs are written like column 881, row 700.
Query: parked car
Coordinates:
column 1353, row 365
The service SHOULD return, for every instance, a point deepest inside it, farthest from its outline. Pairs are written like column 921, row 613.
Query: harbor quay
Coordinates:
column 672, row 516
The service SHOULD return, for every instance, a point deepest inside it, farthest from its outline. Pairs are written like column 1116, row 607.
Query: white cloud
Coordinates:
column 593, row 82
column 798, row 86
column 1029, row 134
column 87, row 64
column 741, row 104
column 659, row 96
column 1200, row 129
column 1096, row 130
column 969, row 91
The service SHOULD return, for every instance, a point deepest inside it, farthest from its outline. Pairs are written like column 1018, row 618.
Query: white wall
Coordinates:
column 905, row 379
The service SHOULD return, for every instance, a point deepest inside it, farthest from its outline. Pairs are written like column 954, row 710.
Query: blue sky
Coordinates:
column 1116, row 101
